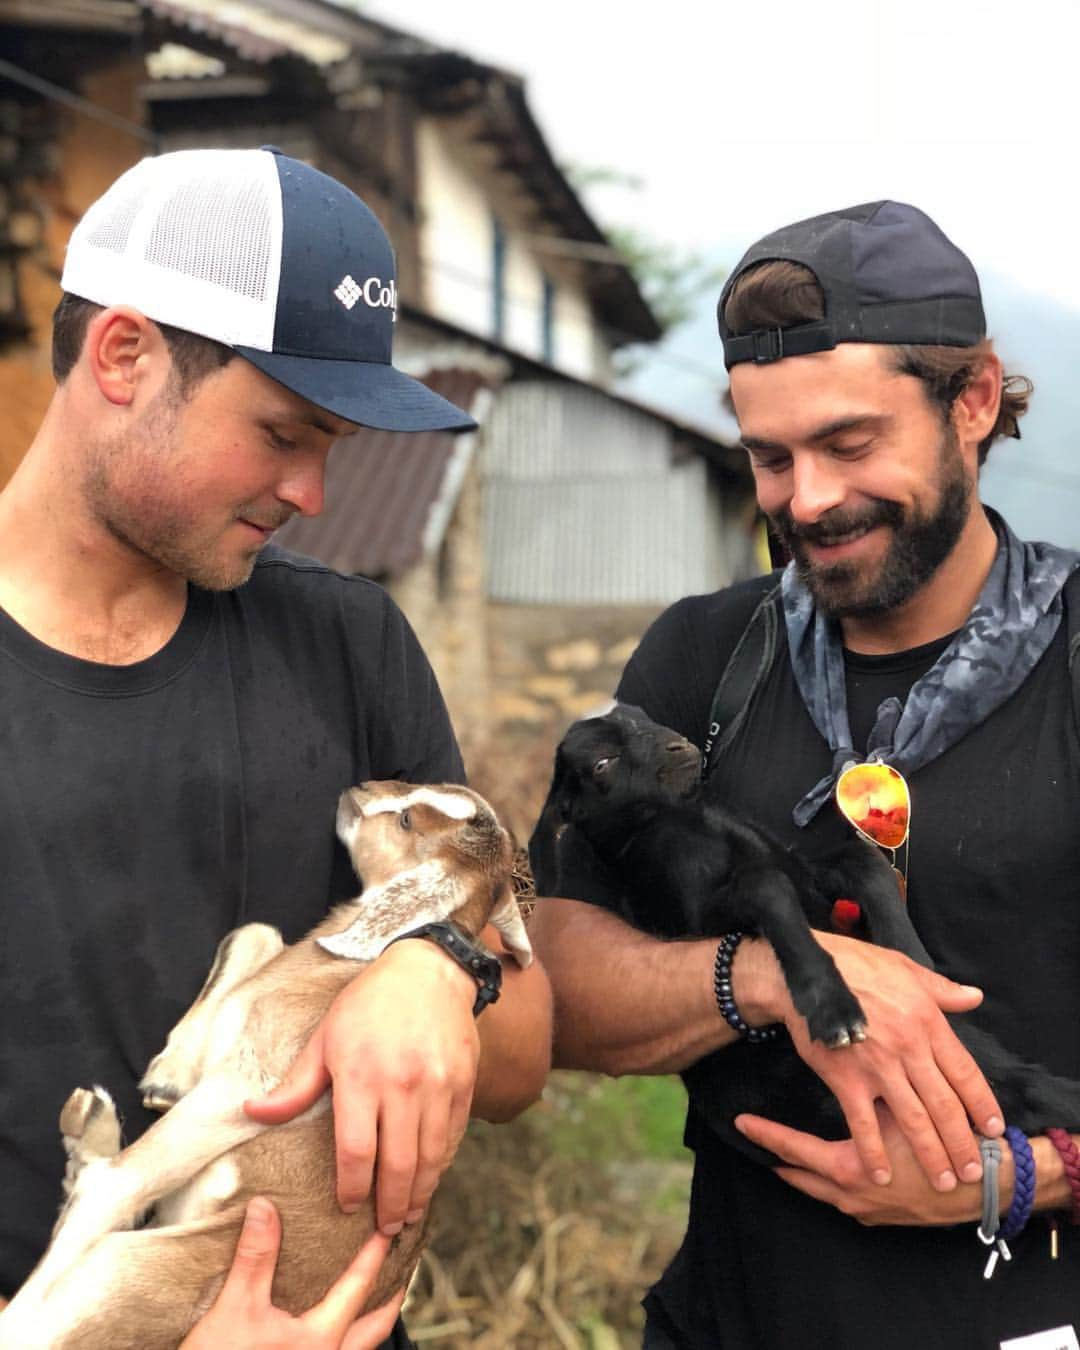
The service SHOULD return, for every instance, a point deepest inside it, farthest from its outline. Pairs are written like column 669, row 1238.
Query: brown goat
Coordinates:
column 425, row 854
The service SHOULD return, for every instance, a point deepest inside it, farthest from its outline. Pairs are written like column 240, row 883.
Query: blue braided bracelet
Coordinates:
column 1023, row 1200
column 725, row 999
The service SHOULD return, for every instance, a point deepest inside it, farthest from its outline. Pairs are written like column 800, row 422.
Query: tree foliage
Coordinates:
column 671, row 279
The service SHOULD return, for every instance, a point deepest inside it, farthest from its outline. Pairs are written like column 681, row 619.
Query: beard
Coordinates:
column 920, row 542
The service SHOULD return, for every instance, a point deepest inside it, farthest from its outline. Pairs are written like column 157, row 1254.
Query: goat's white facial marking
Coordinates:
column 455, row 805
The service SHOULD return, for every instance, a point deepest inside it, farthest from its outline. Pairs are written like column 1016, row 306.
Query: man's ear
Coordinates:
column 120, row 347
column 975, row 411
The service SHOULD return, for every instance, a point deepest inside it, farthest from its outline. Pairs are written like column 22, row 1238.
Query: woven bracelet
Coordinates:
column 725, row 999
column 1070, row 1156
column 1023, row 1200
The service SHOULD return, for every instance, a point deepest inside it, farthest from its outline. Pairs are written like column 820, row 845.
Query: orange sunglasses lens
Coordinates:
column 875, row 799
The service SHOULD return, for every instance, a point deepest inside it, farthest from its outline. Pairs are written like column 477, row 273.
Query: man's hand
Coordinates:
column 911, row 1060
column 243, row 1318
column 831, row 1171
column 399, row 1047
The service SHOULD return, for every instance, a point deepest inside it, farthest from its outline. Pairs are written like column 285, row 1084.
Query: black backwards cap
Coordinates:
column 888, row 273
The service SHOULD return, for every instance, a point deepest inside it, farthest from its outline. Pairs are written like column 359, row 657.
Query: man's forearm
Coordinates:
column 515, row 1042
column 626, row 1002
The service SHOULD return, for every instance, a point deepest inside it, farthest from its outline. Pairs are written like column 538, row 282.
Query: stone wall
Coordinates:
column 443, row 598
column 549, row 665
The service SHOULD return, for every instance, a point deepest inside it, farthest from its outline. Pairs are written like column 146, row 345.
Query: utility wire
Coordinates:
column 82, row 105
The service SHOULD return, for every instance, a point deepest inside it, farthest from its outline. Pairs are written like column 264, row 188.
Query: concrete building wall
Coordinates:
column 460, row 195
column 444, row 600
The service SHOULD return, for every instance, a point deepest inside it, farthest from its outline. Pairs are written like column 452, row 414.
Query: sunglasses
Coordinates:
column 874, row 798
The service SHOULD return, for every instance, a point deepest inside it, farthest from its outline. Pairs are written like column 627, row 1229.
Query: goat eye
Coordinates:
column 405, row 820
column 601, row 765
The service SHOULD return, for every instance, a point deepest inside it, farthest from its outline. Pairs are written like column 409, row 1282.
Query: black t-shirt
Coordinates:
column 146, row 810
column 993, row 863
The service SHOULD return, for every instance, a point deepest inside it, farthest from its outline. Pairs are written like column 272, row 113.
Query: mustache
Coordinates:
column 266, row 520
column 838, row 522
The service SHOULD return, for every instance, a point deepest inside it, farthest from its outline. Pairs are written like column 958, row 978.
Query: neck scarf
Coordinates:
column 1012, row 624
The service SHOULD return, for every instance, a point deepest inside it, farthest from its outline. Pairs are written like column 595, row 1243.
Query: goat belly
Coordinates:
column 144, row 1290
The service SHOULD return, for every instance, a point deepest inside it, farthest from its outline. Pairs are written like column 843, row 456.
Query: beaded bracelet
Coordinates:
column 1070, row 1156
column 1023, row 1200
column 725, row 999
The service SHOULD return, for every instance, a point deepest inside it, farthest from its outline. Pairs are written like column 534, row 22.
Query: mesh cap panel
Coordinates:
column 219, row 231
column 192, row 239
column 114, row 228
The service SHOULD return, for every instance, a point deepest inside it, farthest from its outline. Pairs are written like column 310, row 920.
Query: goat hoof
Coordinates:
column 849, row 1035
column 159, row 1097
column 169, row 1076
column 89, row 1119
column 91, row 1131
column 836, row 1020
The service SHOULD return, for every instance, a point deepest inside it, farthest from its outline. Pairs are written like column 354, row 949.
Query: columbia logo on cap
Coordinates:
column 372, row 292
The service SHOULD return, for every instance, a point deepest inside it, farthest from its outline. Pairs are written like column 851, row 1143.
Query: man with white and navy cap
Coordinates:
column 182, row 702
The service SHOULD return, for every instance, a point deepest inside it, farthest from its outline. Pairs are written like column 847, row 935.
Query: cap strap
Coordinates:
column 770, row 344
column 948, row 321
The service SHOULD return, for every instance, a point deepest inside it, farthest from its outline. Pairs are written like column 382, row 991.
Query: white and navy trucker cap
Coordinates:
column 270, row 257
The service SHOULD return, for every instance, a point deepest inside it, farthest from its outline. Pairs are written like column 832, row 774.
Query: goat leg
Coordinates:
column 173, row 1072
column 110, row 1193
column 860, row 873
column 765, row 901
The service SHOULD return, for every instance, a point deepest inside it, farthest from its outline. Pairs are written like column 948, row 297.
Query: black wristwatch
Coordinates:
column 485, row 969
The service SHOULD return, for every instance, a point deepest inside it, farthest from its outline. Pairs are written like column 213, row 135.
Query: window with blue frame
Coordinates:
column 498, row 278
column 547, row 322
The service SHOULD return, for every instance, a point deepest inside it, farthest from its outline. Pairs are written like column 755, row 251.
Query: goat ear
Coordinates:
column 506, row 916
column 542, row 844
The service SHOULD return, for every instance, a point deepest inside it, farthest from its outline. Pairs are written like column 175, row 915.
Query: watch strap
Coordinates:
column 485, row 968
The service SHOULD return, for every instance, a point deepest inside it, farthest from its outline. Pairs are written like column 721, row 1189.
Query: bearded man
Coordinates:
column 913, row 629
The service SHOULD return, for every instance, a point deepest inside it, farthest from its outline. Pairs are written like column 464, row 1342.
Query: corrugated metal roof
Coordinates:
column 172, row 61
column 383, row 490
column 252, row 30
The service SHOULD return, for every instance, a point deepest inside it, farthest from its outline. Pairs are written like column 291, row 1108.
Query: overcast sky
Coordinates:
column 739, row 117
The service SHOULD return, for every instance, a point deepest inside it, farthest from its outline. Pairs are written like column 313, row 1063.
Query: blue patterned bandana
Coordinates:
column 1013, row 622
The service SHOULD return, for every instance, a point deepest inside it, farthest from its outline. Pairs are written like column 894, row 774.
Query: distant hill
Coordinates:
column 1034, row 482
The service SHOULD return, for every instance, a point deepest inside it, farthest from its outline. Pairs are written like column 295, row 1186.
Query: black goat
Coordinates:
column 629, row 817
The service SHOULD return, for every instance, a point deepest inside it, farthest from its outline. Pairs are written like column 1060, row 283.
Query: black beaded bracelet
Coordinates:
column 725, row 999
